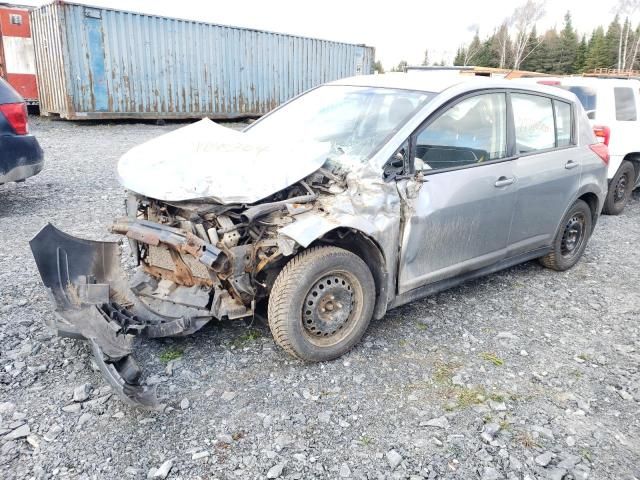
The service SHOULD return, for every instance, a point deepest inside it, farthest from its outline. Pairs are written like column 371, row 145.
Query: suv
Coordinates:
column 613, row 108
column 356, row 197
column 20, row 154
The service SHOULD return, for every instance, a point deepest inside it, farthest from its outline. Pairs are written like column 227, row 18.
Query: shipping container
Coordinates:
column 95, row 63
column 17, row 56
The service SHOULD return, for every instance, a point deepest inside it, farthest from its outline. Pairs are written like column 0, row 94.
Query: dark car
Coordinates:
column 20, row 154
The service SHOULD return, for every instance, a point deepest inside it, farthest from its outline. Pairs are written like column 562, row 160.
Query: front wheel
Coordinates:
column 321, row 303
column 620, row 189
column 571, row 239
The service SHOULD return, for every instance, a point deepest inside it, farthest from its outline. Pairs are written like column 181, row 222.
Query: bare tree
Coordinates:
column 502, row 37
column 628, row 9
column 523, row 20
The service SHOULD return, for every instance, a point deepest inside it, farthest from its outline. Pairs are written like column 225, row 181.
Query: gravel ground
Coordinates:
column 524, row 374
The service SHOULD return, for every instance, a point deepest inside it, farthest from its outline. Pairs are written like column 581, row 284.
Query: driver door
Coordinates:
column 459, row 219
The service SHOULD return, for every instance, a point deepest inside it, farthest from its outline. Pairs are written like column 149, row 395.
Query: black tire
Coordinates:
column 305, row 317
column 620, row 189
column 571, row 239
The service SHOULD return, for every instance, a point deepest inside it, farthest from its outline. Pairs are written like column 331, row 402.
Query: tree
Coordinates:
column 581, row 56
column 472, row 50
column 524, row 18
column 459, row 58
column 567, row 48
column 377, row 67
column 503, row 41
column 536, row 53
column 598, row 53
column 425, row 61
column 401, row 67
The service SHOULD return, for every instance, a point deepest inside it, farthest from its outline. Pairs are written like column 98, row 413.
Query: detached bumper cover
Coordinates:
column 88, row 287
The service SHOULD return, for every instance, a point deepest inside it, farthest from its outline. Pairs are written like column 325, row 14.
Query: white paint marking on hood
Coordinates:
column 207, row 160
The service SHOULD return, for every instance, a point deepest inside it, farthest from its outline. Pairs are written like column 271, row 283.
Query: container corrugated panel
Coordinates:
column 102, row 63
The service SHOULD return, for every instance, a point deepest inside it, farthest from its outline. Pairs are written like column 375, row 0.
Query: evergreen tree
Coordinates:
column 567, row 48
column 377, row 67
column 425, row 61
column 612, row 45
column 598, row 51
column 581, row 56
column 459, row 58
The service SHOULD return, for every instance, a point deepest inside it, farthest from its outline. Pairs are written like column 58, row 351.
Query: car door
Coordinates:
column 459, row 218
column 547, row 167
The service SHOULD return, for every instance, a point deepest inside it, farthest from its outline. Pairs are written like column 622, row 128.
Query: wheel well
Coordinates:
column 591, row 199
column 634, row 158
column 370, row 252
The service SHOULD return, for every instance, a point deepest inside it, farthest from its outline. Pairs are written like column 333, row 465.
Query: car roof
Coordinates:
column 437, row 82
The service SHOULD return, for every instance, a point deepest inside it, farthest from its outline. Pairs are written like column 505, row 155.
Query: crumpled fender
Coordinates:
column 87, row 285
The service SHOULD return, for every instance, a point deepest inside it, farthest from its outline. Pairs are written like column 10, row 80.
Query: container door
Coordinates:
column 95, row 44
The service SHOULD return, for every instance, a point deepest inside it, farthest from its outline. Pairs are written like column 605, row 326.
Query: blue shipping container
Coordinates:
column 97, row 63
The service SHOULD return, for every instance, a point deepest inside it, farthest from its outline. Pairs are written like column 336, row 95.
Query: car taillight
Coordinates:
column 602, row 151
column 553, row 83
column 16, row 115
column 602, row 133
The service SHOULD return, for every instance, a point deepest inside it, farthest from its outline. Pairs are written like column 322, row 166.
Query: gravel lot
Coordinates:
column 524, row 374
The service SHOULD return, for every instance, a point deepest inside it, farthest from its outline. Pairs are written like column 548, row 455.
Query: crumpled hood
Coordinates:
column 207, row 160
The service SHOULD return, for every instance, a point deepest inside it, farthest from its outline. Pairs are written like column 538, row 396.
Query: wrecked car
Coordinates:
column 353, row 198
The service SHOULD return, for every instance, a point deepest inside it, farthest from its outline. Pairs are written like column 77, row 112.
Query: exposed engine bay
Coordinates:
column 210, row 260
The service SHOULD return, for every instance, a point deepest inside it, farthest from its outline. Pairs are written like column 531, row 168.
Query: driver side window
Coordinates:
column 472, row 131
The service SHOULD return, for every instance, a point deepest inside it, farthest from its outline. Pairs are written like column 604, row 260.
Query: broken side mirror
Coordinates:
column 395, row 166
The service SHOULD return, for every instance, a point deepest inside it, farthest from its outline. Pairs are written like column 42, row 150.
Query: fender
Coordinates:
column 309, row 228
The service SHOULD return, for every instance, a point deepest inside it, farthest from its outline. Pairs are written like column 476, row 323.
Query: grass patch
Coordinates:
column 493, row 358
column 171, row 353
column 466, row 397
column 527, row 440
column 250, row 336
column 366, row 441
column 443, row 371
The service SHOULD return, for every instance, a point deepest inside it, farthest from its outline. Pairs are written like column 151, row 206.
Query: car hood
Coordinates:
column 205, row 160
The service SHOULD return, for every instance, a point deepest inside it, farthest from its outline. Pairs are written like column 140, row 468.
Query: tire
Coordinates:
column 620, row 189
column 305, row 318
column 571, row 239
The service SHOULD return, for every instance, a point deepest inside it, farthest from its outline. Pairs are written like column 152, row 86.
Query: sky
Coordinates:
column 402, row 30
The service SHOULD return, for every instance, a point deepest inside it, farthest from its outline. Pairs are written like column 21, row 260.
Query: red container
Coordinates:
column 17, row 55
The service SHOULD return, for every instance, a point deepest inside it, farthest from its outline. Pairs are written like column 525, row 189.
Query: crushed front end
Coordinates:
column 196, row 261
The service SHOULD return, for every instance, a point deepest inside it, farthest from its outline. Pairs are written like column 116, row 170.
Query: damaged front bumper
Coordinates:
column 93, row 302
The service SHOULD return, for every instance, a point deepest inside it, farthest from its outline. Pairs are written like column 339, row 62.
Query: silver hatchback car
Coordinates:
column 351, row 199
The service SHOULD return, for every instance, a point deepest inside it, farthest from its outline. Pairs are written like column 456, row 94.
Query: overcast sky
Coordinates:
column 403, row 29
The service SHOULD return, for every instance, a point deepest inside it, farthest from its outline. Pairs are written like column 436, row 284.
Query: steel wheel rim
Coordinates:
column 620, row 190
column 573, row 235
column 330, row 308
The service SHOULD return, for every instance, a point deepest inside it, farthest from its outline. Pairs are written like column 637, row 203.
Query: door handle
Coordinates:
column 504, row 181
column 571, row 164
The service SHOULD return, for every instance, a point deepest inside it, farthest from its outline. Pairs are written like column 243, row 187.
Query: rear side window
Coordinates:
column 587, row 97
column 533, row 118
column 563, row 123
column 625, row 104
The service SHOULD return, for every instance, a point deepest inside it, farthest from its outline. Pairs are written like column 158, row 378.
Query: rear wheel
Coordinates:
column 620, row 189
column 571, row 239
column 321, row 303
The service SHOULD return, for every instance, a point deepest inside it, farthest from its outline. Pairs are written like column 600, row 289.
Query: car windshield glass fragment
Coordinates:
column 355, row 121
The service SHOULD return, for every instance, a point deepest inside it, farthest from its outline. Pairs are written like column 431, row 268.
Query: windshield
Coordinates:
column 354, row 121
